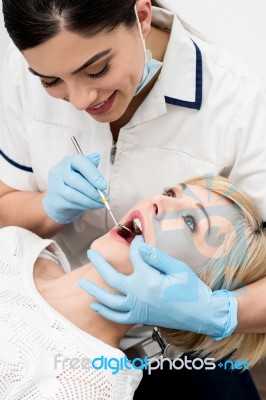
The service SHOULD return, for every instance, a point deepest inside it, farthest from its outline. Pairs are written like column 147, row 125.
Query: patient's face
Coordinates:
column 187, row 222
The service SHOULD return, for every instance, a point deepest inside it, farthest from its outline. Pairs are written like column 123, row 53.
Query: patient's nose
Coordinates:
column 160, row 205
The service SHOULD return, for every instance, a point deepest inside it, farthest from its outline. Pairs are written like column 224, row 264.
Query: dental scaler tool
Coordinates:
column 104, row 199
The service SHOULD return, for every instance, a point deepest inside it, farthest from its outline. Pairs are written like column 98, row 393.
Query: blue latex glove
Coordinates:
column 72, row 187
column 161, row 291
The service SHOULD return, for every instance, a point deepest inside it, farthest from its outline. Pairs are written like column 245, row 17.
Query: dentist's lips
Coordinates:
column 102, row 107
column 125, row 237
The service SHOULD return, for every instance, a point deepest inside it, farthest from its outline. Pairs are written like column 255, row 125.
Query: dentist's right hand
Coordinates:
column 72, row 188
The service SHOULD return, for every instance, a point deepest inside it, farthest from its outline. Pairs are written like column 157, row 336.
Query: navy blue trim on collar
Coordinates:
column 14, row 163
column 190, row 104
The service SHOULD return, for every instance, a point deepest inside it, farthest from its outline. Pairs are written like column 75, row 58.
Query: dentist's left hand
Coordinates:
column 161, row 291
column 72, row 188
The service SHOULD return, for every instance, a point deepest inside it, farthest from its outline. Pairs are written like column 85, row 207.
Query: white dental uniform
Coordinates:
column 204, row 115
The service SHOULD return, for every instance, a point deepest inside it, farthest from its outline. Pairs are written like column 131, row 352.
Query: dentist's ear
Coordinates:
column 144, row 11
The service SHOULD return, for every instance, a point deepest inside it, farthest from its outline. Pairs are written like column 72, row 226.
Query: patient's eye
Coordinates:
column 169, row 192
column 191, row 222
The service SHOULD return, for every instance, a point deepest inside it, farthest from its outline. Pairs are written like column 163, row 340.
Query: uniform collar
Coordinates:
column 181, row 74
column 180, row 79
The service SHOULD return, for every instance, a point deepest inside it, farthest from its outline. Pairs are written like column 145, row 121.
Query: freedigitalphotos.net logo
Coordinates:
column 115, row 365
column 196, row 364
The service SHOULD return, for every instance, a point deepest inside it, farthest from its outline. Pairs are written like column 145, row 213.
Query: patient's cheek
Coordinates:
column 176, row 241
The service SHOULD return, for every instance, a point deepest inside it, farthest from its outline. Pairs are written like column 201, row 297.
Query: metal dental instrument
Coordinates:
column 104, row 199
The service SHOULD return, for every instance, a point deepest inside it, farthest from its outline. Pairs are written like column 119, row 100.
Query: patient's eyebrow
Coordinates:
column 87, row 64
column 203, row 209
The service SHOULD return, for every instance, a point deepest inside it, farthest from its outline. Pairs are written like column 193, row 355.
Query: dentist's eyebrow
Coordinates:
column 203, row 209
column 87, row 64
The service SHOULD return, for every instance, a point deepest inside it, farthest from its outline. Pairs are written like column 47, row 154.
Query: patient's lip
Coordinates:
column 114, row 235
column 135, row 214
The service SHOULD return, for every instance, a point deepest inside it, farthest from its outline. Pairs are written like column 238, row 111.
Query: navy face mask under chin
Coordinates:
column 151, row 66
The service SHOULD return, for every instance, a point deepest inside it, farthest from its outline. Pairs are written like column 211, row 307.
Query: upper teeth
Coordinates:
column 100, row 105
column 137, row 225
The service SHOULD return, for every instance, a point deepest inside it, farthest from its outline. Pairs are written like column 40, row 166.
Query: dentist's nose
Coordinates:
column 82, row 97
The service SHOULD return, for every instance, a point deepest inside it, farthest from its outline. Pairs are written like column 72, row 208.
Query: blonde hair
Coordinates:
column 245, row 263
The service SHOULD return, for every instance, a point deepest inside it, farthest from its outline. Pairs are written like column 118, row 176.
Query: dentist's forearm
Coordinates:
column 252, row 308
column 25, row 209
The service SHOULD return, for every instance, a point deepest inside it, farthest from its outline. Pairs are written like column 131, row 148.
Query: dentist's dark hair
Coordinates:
column 32, row 22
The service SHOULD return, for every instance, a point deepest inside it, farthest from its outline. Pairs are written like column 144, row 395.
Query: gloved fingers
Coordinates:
column 136, row 242
column 111, row 300
column 75, row 181
column 73, row 199
column 115, row 279
column 115, row 316
column 135, row 257
column 161, row 261
column 85, row 166
column 95, row 158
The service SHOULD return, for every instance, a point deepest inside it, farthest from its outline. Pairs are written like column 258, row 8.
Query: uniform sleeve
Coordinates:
column 248, row 148
column 15, row 163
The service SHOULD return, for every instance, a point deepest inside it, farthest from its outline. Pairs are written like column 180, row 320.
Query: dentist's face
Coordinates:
column 97, row 74
column 186, row 222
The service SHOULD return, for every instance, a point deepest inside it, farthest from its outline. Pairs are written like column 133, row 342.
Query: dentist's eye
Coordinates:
column 190, row 222
column 102, row 73
column 48, row 85
column 169, row 192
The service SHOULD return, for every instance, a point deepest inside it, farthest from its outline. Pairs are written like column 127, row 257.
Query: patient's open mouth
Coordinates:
column 135, row 224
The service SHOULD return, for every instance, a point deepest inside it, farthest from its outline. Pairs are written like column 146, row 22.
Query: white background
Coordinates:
column 237, row 25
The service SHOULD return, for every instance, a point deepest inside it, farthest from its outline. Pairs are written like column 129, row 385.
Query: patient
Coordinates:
column 204, row 222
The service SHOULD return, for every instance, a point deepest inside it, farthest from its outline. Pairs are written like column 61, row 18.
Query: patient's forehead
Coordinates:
column 200, row 194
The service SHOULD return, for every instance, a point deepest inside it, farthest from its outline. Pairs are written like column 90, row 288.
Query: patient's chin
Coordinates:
column 115, row 254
